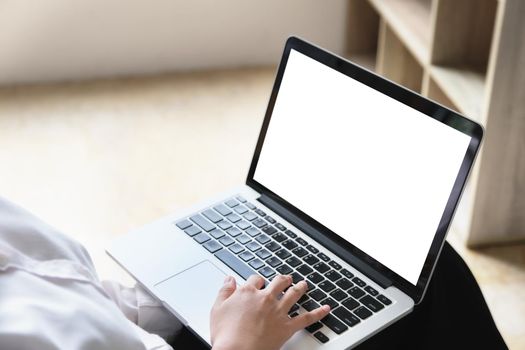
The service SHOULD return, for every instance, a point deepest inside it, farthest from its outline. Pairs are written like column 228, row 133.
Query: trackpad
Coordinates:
column 191, row 294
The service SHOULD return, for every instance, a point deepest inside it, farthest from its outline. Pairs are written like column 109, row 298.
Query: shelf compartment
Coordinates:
column 361, row 33
column 464, row 87
column 411, row 21
column 463, row 33
column 395, row 62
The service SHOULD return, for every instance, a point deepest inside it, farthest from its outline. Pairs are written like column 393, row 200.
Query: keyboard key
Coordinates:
column 250, row 216
column 321, row 267
column 222, row 209
column 338, row 295
column 293, row 261
column 236, row 248
column 250, row 205
column 324, row 257
column 280, row 226
column 315, row 277
column 312, row 249
column 346, row 273
column 344, row 284
column 260, row 212
column 371, row 291
column 267, row 272
column 284, row 269
column 362, row 312
column 243, row 239
column 356, row 292
column 269, row 230
column 310, row 259
column 202, row 222
column 233, row 217
column 192, row 230
column 346, row 316
column 317, row 295
column 283, row 254
column 253, row 246
column 330, row 302
column 332, row 275
column 294, row 314
column 334, row 265
column 263, row 239
column 232, row 203
column 212, row 215
column 246, row 256
column 183, row 224
column 300, row 252
column 314, row 327
column 224, row 224
column 253, row 232
column 212, row 246
column 256, row 264
column 303, row 299
column 234, row 231
column 350, row 303
column 263, row 254
column 358, row 281
column 243, row 225
column 384, row 299
column 216, row 233
column 241, row 199
column 327, row 286
column 371, row 303
column 274, row 262
column 279, row 237
column 321, row 337
column 270, row 219
column 290, row 234
column 201, row 238
column 240, row 209
column 273, row 246
column 301, row 241
column 289, row 244
column 234, row 263
column 310, row 305
column 226, row 241
column 304, row 269
column 334, row 324
column 259, row 223
column 294, row 308
column 296, row 277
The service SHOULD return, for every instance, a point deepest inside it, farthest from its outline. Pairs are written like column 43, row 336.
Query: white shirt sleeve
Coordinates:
column 51, row 298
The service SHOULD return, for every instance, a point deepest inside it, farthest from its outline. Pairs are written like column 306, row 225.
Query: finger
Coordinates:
column 256, row 281
column 278, row 284
column 304, row 320
column 226, row 290
column 293, row 294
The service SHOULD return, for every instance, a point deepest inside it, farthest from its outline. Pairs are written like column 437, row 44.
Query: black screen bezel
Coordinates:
column 403, row 95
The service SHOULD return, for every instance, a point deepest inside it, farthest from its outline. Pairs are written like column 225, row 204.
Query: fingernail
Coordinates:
column 228, row 279
column 326, row 307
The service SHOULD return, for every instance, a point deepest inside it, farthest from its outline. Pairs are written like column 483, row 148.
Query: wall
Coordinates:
column 81, row 39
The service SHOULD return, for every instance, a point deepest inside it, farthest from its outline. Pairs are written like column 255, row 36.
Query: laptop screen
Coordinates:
column 371, row 169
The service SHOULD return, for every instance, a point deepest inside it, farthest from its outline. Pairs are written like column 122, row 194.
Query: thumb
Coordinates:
column 227, row 289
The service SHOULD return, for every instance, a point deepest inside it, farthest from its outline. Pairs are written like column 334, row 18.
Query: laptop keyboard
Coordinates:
column 251, row 242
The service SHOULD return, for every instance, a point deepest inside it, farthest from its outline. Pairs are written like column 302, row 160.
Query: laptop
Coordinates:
column 352, row 187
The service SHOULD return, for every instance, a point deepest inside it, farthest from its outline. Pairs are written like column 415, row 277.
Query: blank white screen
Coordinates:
column 371, row 169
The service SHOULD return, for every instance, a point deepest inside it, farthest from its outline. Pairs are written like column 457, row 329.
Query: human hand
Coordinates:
column 250, row 318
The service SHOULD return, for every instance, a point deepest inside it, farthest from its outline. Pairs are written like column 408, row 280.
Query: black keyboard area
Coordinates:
column 249, row 241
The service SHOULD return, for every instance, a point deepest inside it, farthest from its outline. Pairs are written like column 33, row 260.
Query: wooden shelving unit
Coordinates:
column 467, row 55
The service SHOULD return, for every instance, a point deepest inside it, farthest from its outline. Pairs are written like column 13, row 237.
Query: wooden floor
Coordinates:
column 99, row 158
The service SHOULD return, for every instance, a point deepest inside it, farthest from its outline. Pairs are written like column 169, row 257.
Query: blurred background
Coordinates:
column 114, row 113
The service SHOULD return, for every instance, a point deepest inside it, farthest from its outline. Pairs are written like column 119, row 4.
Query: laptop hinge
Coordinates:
column 334, row 247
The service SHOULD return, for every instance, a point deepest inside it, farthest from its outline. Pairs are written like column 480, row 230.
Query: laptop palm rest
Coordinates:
column 192, row 294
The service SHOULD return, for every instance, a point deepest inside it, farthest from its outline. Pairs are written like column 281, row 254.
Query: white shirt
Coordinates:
column 51, row 298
